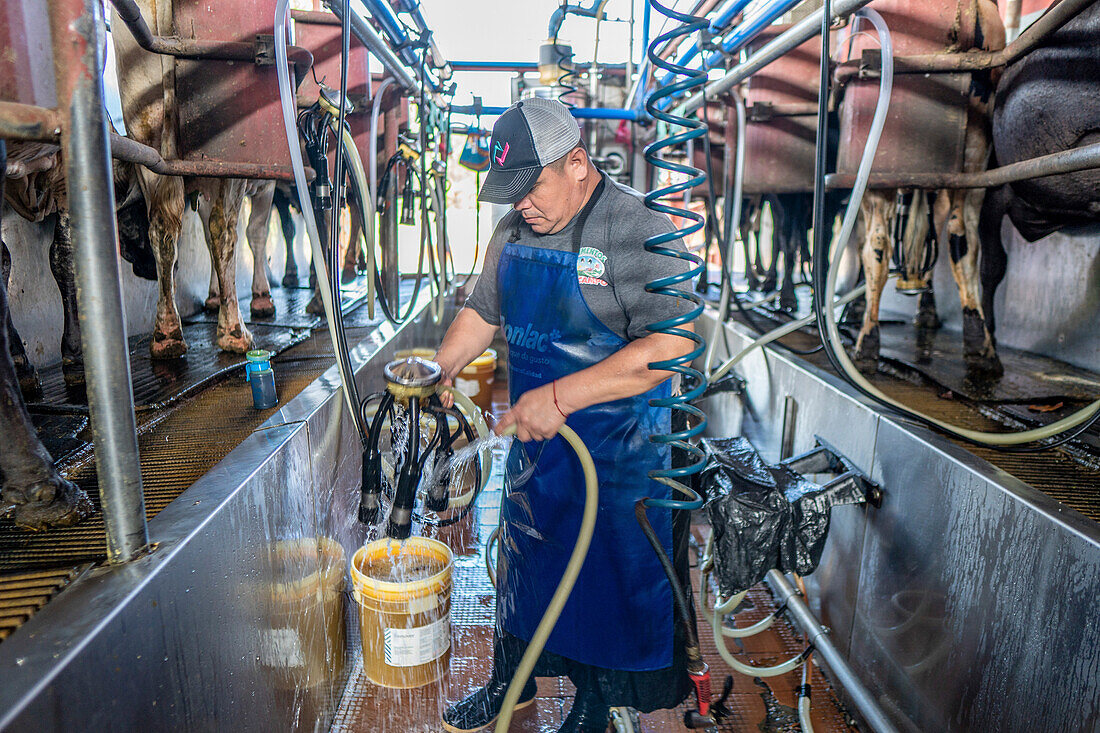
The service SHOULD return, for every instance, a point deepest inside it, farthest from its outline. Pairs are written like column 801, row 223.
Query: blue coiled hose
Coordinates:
column 694, row 381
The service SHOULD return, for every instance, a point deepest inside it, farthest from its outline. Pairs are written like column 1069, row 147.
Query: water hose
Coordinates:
column 355, row 163
column 731, row 228
column 827, row 320
column 565, row 586
column 288, row 103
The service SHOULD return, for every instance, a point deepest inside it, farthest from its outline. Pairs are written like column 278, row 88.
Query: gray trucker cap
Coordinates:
column 530, row 134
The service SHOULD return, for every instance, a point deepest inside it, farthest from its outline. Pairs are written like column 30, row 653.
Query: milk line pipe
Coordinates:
column 288, row 104
column 186, row 48
column 400, row 42
column 823, row 268
column 842, row 672
column 732, row 226
column 74, row 27
column 784, row 43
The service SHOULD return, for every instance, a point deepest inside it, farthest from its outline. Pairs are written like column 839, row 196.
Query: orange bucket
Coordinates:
column 476, row 380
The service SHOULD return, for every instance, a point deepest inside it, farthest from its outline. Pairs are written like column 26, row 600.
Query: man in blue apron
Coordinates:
column 564, row 277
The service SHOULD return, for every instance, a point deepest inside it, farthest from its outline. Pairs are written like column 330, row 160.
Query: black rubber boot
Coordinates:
column 588, row 715
column 480, row 710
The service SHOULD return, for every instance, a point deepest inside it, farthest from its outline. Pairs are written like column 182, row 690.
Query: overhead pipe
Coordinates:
column 945, row 63
column 723, row 18
column 185, row 48
column 581, row 113
column 391, row 26
column 438, row 60
column 78, row 59
column 370, row 38
column 741, row 35
column 818, row 638
column 782, row 44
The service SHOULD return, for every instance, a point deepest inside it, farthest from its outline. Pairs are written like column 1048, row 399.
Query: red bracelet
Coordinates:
column 554, row 388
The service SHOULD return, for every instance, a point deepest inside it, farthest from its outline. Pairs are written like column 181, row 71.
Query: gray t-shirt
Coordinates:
column 612, row 265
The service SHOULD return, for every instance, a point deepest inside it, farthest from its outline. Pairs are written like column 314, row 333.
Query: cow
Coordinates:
column 1046, row 103
column 33, row 184
column 955, row 219
column 147, row 85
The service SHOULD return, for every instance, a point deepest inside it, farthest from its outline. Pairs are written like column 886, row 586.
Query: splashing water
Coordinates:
column 462, row 463
column 403, row 566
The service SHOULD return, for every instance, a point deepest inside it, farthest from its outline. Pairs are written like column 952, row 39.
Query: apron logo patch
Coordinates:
column 527, row 337
column 591, row 265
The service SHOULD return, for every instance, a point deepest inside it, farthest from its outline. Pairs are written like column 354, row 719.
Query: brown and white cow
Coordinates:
column 955, row 220
column 147, row 85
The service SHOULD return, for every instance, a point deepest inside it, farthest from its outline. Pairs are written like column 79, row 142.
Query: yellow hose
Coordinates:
column 565, row 586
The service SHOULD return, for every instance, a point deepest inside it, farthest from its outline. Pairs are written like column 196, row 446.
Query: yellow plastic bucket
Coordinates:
column 476, row 380
column 422, row 351
column 405, row 626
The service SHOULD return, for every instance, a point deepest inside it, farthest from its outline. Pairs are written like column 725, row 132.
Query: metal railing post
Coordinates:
column 78, row 58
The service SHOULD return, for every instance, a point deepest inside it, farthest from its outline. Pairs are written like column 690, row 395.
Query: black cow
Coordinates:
column 1047, row 102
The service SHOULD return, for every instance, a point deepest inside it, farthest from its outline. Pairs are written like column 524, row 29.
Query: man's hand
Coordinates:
column 534, row 415
column 445, row 396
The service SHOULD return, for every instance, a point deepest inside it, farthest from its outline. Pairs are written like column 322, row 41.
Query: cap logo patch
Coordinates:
column 500, row 153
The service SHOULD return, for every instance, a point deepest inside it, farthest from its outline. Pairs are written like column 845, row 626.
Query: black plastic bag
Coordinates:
column 763, row 516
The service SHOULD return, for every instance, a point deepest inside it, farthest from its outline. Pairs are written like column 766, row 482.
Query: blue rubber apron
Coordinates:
column 619, row 615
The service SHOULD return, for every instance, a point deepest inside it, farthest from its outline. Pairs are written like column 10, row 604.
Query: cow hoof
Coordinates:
column 73, row 372
column 927, row 320
column 316, row 306
column 212, row 303
column 54, row 502
column 788, row 303
column 237, row 340
column 866, row 352
column 985, row 366
column 167, row 345
column 262, row 306
column 290, row 280
column 29, row 383
column 348, row 274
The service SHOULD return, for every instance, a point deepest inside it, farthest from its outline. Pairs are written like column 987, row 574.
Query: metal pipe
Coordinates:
column 581, row 113
column 391, row 26
column 78, row 58
column 818, row 637
column 945, row 63
column 1086, row 157
column 520, row 66
column 375, row 43
column 27, row 122
column 784, row 43
column 181, row 48
column 131, row 151
column 737, row 38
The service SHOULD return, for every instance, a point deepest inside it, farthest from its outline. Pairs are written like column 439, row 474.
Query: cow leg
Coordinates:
column 258, row 219
column 225, row 209
column 26, row 375
column 964, row 246
column 877, row 208
column 771, row 277
column 352, row 255
column 164, row 194
column 286, row 221
column 926, row 319
column 32, row 490
column 61, row 265
column 994, row 260
column 213, row 293
column 787, row 301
